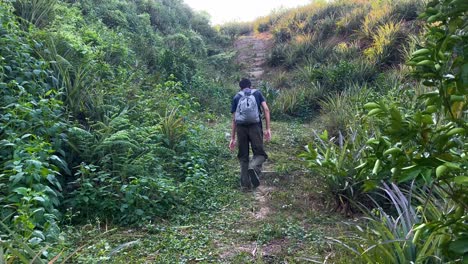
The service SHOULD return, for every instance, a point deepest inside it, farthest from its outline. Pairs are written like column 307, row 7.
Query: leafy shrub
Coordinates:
column 101, row 195
column 212, row 94
column 178, row 64
column 197, row 46
column 31, row 132
column 234, row 29
column 114, row 19
column 177, row 42
column 426, row 143
column 335, row 160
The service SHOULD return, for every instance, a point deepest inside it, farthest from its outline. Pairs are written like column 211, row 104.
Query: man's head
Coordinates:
column 245, row 83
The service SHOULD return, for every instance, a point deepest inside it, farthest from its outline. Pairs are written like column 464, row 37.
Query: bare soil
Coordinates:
column 252, row 52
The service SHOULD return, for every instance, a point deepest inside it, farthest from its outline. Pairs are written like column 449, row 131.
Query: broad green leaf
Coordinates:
column 464, row 74
column 459, row 246
column 39, row 199
column 409, row 175
column 461, row 180
column 22, row 190
column 440, row 171
column 53, row 180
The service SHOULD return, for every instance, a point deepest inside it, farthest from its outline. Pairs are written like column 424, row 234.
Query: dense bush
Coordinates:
column 100, row 112
column 32, row 128
column 417, row 142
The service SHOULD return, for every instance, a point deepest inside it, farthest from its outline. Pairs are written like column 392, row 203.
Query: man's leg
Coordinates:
column 243, row 155
column 259, row 154
column 244, row 175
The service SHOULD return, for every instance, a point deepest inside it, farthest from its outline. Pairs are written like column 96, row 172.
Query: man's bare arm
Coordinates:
column 266, row 111
column 232, row 143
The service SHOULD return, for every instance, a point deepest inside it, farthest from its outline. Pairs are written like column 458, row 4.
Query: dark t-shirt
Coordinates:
column 258, row 97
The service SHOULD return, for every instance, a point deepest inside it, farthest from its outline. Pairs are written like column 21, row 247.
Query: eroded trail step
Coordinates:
column 252, row 54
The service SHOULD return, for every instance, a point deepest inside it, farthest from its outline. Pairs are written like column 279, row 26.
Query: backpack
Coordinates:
column 247, row 109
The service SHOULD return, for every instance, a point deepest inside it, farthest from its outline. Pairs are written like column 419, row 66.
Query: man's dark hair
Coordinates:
column 245, row 83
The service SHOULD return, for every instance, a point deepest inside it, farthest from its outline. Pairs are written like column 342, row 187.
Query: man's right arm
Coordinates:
column 232, row 143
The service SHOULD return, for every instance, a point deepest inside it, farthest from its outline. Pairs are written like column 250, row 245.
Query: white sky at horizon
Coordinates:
column 222, row 11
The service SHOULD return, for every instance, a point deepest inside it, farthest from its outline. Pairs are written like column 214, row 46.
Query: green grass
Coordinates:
column 294, row 229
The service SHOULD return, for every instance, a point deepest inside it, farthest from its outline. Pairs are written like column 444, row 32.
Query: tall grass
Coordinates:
column 339, row 112
column 407, row 9
column 297, row 101
column 351, row 21
column 386, row 43
column 342, row 43
column 378, row 14
column 37, row 12
column 317, row 51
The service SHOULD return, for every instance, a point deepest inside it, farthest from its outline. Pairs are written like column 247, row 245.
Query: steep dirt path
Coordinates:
column 252, row 51
column 282, row 220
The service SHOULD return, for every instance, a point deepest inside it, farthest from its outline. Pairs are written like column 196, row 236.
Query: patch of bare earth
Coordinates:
column 261, row 199
column 261, row 211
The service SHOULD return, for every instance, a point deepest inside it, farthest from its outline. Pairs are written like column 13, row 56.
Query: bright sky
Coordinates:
column 222, row 11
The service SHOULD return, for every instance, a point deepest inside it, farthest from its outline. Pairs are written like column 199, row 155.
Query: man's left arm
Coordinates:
column 266, row 111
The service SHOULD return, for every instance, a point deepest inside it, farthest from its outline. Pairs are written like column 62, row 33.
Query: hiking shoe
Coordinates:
column 246, row 189
column 254, row 178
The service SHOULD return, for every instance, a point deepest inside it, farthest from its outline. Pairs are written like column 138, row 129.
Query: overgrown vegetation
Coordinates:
column 101, row 116
column 110, row 119
column 337, row 46
column 414, row 139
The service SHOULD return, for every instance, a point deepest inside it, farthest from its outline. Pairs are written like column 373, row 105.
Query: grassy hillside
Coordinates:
column 327, row 48
column 383, row 82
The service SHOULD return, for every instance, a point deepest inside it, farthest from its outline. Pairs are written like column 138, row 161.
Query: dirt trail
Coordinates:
column 252, row 54
column 252, row 51
column 260, row 211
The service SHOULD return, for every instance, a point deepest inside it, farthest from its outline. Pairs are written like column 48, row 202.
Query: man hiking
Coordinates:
column 246, row 112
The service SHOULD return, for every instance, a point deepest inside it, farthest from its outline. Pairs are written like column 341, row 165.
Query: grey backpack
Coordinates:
column 247, row 109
